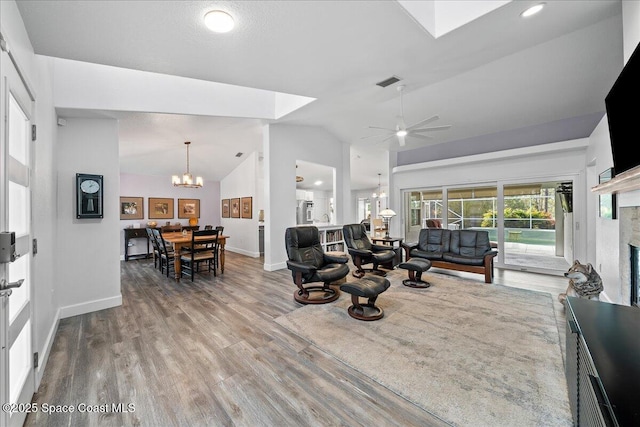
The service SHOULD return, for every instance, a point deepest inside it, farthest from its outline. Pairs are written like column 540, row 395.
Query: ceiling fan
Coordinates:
column 402, row 130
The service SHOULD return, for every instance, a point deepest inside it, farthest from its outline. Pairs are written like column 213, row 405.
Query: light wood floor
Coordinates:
column 209, row 353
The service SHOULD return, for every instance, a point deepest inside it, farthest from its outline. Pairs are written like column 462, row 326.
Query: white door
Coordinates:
column 16, row 356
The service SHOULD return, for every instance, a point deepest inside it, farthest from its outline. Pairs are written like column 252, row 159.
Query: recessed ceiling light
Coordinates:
column 219, row 21
column 532, row 10
column 318, row 182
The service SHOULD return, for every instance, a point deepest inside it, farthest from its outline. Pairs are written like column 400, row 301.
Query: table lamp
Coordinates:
column 386, row 215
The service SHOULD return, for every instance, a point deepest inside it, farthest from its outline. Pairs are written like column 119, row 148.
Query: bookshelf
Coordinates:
column 331, row 238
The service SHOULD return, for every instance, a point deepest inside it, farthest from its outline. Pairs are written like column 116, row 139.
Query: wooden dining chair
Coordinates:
column 156, row 249
column 220, row 229
column 167, row 256
column 377, row 227
column 204, row 249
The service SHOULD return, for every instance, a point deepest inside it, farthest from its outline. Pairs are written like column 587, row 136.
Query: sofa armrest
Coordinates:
column 408, row 247
column 301, row 267
column 490, row 254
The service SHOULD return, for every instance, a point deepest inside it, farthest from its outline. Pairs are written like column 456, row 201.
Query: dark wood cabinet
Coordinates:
column 135, row 233
column 603, row 363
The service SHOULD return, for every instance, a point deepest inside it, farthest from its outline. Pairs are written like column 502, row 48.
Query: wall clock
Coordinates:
column 89, row 196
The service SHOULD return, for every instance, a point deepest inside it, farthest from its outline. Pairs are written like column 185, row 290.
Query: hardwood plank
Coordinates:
column 209, row 352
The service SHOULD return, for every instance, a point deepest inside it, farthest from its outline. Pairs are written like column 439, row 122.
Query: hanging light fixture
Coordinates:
column 187, row 178
column 380, row 194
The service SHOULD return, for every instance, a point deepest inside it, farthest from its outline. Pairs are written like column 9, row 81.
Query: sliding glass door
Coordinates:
column 530, row 224
column 534, row 225
column 420, row 207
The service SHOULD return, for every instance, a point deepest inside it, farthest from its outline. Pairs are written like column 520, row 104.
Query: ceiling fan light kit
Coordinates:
column 402, row 130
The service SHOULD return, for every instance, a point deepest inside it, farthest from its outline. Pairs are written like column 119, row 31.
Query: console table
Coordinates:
column 135, row 233
column 603, row 363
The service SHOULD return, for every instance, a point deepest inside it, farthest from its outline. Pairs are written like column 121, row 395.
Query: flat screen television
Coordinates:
column 622, row 115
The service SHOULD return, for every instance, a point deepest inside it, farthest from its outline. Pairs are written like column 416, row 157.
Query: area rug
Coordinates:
column 471, row 353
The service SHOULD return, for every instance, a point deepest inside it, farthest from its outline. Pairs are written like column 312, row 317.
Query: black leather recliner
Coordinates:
column 309, row 263
column 362, row 251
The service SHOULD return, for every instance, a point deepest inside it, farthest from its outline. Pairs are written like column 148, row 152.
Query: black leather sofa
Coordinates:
column 461, row 250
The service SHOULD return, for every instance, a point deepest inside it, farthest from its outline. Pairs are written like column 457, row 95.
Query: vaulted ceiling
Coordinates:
column 498, row 74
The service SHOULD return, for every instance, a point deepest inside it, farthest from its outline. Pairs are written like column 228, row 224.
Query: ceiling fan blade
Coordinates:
column 376, row 127
column 424, row 122
column 388, row 138
column 432, row 128
column 373, row 136
column 417, row 135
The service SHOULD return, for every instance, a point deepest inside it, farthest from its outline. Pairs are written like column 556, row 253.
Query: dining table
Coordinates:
column 180, row 240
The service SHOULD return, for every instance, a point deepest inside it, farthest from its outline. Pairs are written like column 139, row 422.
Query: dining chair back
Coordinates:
column 154, row 245
column 377, row 227
column 167, row 264
column 220, row 229
column 204, row 249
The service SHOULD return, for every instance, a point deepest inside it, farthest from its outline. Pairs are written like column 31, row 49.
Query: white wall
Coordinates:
column 557, row 161
column 88, row 275
column 85, row 85
column 283, row 146
column 606, row 233
column 134, row 185
column 242, row 182
column 630, row 27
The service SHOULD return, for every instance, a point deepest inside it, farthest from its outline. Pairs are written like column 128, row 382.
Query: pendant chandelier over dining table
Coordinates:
column 187, row 178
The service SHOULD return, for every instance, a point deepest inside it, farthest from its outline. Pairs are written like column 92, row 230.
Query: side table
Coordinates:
column 396, row 245
column 135, row 233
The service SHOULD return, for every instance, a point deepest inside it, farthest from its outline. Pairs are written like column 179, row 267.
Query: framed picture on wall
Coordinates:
column 608, row 203
column 188, row 208
column 235, row 208
column 131, row 208
column 246, row 206
column 160, row 208
column 226, row 208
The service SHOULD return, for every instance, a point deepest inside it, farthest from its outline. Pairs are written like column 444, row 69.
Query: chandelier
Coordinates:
column 380, row 194
column 187, row 178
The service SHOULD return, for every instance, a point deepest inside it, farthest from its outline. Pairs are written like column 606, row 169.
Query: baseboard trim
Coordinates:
column 44, row 356
column 90, row 306
column 242, row 252
column 275, row 267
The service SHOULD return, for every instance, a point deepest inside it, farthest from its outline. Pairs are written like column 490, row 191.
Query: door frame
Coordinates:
column 500, row 259
column 12, row 82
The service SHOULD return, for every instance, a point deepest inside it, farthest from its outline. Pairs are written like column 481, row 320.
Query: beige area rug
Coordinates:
column 470, row 353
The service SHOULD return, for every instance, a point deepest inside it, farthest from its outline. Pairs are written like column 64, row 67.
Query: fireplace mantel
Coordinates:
column 625, row 182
